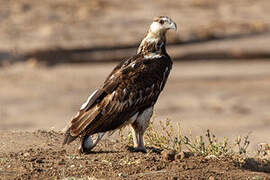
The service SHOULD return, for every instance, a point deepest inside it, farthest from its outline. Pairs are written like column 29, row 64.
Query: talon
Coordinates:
column 82, row 151
column 79, row 151
column 140, row 149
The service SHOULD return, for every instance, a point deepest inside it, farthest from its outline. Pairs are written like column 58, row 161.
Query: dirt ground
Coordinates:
column 43, row 157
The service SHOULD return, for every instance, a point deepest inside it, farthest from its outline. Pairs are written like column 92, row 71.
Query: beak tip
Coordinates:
column 174, row 26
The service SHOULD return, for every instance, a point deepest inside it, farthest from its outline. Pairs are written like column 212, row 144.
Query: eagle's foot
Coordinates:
column 140, row 149
column 82, row 151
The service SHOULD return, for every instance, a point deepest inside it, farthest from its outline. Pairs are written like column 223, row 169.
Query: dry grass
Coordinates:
column 165, row 136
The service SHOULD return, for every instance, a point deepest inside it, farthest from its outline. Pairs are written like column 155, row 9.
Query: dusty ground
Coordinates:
column 43, row 157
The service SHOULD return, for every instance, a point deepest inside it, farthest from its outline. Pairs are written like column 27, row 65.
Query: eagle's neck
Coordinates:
column 154, row 42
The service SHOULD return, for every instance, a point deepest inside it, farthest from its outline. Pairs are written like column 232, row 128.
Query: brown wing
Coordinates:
column 134, row 85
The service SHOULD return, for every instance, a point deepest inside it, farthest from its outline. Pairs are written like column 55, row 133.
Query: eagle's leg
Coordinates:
column 87, row 143
column 138, row 138
column 139, row 127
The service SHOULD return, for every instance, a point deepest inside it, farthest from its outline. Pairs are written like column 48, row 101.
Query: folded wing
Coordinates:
column 132, row 86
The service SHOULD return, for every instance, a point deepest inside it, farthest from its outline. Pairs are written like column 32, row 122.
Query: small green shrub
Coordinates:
column 165, row 136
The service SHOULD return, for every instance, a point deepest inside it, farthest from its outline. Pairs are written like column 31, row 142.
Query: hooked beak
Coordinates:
column 173, row 26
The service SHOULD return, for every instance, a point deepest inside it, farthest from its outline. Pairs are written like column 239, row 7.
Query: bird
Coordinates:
column 129, row 93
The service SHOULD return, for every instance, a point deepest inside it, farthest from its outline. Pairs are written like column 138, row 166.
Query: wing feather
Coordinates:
column 79, row 123
column 132, row 86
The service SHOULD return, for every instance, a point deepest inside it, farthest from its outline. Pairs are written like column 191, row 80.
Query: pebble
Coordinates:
column 181, row 156
column 26, row 154
column 211, row 157
column 168, row 155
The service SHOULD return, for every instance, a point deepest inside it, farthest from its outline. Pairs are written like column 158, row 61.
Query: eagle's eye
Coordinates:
column 161, row 21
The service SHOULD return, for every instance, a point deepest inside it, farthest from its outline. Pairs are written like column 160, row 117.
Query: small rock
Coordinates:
column 191, row 165
column 211, row 157
column 211, row 178
column 38, row 170
column 183, row 155
column 183, row 166
column 40, row 161
column 62, row 162
column 26, row 154
column 122, row 175
column 168, row 155
column 33, row 159
column 180, row 156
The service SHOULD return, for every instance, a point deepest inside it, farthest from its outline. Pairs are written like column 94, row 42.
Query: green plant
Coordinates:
column 242, row 144
column 208, row 145
column 166, row 137
column 263, row 151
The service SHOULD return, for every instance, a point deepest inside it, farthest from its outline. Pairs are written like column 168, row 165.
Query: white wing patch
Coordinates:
column 85, row 104
column 112, row 76
column 152, row 55
column 133, row 64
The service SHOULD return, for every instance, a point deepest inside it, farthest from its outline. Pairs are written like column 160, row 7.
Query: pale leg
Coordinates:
column 138, row 128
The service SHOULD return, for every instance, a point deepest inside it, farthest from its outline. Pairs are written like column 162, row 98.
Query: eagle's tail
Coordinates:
column 68, row 137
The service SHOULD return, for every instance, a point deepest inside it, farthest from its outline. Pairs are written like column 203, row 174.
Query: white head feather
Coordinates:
column 155, row 27
column 162, row 24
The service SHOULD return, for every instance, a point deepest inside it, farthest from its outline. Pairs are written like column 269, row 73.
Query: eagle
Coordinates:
column 128, row 95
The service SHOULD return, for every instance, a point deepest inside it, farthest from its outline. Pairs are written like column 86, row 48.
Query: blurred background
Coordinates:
column 55, row 53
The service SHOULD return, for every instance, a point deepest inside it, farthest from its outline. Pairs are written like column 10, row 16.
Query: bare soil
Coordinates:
column 43, row 157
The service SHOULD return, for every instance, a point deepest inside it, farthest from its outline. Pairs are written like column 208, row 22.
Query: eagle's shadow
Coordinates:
column 102, row 152
column 149, row 150
column 130, row 149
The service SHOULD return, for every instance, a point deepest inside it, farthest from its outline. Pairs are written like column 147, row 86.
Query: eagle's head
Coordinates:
column 155, row 39
column 161, row 24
